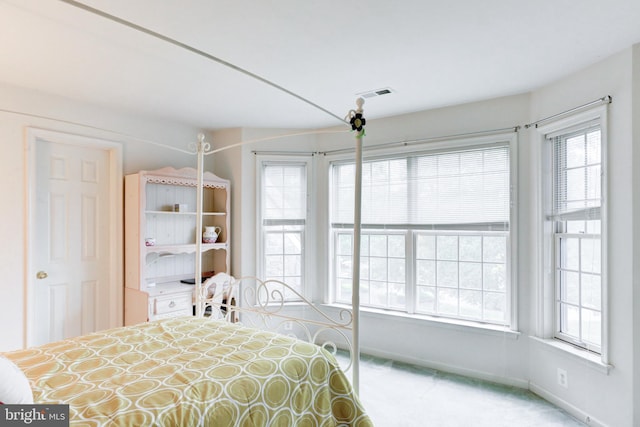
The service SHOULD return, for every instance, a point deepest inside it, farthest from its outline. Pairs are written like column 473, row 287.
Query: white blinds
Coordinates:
column 577, row 171
column 284, row 194
column 455, row 187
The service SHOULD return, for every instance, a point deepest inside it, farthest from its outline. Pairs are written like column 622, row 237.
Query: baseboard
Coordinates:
column 575, row 412
column 514, row 382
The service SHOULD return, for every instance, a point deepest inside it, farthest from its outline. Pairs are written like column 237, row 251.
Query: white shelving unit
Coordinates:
column 153, row 273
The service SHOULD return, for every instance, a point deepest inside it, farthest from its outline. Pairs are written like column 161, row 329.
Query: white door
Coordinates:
column 74, row 237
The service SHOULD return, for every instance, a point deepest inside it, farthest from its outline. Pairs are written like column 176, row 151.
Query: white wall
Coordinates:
column 635, row 109
column 136, row 156
column 604, row 398
column 229, row 164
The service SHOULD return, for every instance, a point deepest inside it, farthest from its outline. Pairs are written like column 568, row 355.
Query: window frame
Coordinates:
column 307, row 231
column 548, row 313
column 507, row 139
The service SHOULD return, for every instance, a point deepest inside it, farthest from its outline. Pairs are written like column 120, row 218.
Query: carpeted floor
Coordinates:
column 397, row 394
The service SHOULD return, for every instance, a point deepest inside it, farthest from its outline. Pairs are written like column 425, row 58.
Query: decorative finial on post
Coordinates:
column 200, row 146
column 356, row 121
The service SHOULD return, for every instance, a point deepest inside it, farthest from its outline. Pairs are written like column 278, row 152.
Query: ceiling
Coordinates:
column 430, row 53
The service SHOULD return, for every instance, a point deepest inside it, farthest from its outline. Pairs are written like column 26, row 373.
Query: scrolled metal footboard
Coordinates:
column 275, row 306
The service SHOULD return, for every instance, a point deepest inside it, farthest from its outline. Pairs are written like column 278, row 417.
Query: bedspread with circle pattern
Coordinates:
column 191, row 372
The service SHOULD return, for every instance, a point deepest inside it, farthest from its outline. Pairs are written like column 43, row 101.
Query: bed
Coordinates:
column 210, row 369
column 191, row 371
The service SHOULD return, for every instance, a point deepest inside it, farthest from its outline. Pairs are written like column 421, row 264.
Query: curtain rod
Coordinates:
column 604, row 100
column 286, row 153
column 423, row 140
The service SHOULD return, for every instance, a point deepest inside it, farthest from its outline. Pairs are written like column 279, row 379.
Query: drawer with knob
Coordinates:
column 178, row 305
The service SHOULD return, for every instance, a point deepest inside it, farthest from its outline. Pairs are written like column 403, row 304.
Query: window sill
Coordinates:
column 418, row 319
column 591, row 360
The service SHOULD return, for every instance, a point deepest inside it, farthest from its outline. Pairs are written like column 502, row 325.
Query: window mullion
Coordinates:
column 580, row 301
column 410, row 262
column 410, row 276
column 482, row 275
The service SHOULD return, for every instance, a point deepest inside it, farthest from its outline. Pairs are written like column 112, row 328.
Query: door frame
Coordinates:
column 115, row 257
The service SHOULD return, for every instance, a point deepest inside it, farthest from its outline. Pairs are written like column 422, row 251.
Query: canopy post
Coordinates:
column 201, row 147
column 357, row 124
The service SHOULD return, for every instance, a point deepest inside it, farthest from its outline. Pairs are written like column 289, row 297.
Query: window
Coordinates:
column 283, row 213
column 435, row 233
column 576, row 223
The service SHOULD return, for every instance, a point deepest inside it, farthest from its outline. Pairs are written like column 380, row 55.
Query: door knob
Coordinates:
column 42, row 274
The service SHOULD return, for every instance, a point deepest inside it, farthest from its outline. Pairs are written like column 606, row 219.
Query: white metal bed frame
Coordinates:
column 202, row 148
column 262, row 304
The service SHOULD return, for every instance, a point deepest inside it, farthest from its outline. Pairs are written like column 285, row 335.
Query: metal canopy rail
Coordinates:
column 199, row 52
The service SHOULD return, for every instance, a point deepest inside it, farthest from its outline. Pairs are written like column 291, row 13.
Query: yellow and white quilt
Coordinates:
column 191, row 372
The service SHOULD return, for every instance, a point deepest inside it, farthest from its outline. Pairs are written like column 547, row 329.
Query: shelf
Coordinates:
column 161, row 205
column 185, row 213
column 183, row 249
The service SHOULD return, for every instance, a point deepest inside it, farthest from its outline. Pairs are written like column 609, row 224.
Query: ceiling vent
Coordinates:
column 374, row 93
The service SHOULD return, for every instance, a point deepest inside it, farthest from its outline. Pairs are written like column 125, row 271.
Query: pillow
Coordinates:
column 14, row 386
